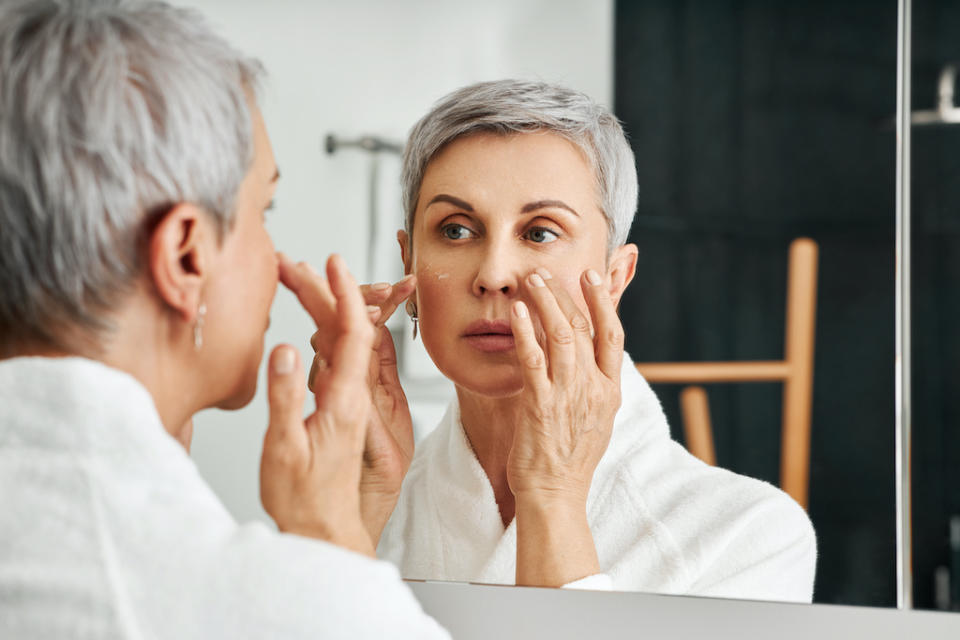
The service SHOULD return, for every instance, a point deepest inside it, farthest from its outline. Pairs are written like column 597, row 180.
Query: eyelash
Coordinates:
column 444, row 231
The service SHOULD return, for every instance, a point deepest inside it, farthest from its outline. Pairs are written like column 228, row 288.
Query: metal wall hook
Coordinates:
column 946, row 112
column 373, row 144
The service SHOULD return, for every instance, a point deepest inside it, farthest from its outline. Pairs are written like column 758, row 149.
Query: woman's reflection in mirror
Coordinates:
column 554, row 465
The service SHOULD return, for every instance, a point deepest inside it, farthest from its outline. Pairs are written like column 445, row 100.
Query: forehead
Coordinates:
column 530, row 162
column 263, row 160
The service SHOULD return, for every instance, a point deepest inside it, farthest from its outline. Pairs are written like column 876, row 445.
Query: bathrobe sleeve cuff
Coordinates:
column 596, row 582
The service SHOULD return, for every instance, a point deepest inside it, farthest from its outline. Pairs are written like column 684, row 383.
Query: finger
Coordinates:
column 578, row 320
column 388, row 392
column 377, row 293
column 311, row 290
column 387, row 362
column 352, row 348
column 608, row 331
column 387, row 297
column 322, row 340
column 533, row 363
column 285, row 396
column 399, row 293
column 319, row 374
column 559, row 337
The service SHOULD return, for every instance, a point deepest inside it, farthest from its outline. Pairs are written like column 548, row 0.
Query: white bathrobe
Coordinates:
column 108, row 531
column 662, row 520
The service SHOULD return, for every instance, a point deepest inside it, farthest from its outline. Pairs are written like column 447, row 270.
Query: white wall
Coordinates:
column 370, row 67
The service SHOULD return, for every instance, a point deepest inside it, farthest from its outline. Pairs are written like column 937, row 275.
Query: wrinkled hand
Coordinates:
column 571, row 389
column 389, row 446
column 310, row 469
column 571, row 394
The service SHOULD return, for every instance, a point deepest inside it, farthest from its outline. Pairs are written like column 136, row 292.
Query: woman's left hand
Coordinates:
column 388, row 449
column 570, row 397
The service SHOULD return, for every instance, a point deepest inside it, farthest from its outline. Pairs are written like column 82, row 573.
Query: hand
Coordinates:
column 568, row 404
column 389, row 445
column 310, row 470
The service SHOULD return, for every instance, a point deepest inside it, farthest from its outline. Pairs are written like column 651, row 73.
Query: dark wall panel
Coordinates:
column 754, row 123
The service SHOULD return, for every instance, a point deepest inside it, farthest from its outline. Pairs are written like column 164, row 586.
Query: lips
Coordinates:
column 489, row 336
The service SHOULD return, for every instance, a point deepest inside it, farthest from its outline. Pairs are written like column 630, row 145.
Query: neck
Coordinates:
column 141, row 346
column 488, row 424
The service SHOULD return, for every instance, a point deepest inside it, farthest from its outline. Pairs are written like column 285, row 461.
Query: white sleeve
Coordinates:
column 267, row 585
column 770, row 555
column 596, row 582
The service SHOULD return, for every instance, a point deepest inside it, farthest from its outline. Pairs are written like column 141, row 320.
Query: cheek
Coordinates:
column 435, row 297
column 263, row 267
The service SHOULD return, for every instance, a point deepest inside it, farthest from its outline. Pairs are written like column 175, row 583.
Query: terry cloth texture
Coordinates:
column 107, row 530
column 662, row 520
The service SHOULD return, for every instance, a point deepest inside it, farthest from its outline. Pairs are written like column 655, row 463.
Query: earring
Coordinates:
column 412, row 312
column 198, row 327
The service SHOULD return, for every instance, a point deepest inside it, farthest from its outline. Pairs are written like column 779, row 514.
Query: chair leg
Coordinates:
column 798, row 387
column 696, row 424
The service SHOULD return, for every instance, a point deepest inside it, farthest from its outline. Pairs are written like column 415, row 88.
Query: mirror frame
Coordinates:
column 902, row 366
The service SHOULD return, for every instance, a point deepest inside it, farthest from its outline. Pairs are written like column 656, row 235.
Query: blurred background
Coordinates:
column 753, row 123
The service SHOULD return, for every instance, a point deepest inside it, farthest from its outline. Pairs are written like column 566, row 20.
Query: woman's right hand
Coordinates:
column 388, row 449
column 310, row 469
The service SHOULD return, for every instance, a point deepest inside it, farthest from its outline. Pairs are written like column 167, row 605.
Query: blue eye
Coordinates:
column 455, row 231
column 540, row 235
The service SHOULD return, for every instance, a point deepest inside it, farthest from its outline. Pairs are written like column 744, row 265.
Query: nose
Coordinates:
column 498, row 271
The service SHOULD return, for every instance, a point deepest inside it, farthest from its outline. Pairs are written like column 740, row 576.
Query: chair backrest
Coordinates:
column 795, row 371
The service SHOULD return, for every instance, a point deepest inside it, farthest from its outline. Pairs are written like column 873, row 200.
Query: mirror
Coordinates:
column 752, row 124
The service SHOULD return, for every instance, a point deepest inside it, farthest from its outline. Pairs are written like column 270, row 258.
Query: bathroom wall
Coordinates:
column 371, row 67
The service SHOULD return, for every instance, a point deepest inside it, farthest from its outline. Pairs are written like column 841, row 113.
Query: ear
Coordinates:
column 406, row 251
column 179, row 248
column 621, row 268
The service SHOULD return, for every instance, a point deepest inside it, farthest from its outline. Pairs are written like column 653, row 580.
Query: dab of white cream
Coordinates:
column 441, row 276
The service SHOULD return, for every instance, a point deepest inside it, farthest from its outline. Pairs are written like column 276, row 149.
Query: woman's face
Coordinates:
column 491, row 209
column 242, row 284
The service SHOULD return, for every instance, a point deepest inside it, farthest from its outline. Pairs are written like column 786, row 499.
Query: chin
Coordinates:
column 492, row 381
column 242, row 394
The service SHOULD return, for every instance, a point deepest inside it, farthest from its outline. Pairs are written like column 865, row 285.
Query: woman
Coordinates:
column 135, row 170
column 554, row 465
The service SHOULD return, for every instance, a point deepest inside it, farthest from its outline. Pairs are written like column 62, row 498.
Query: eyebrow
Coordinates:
column 457, row 202
column 545, row 204
column 527, row 208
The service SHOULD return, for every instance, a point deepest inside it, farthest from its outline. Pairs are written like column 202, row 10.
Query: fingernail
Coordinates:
column 405, row 278
column 372, row 308
column 284, row 362
column 544, row 273
column 380, row 286
column 593, row 277
column 536, row 280
column 520, row 309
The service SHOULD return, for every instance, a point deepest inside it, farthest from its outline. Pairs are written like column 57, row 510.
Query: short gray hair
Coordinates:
column 111, row 112
column 515, row 106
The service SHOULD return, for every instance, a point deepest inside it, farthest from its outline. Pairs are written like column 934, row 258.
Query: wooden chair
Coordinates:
column 795, row 371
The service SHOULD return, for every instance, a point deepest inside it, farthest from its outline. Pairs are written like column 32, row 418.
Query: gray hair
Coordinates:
column 514, row 106
column 111, row 112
